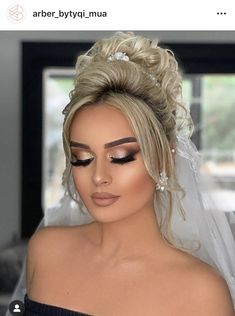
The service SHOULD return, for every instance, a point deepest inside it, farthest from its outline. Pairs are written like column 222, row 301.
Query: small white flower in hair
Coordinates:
column 118, row 56
column 154, row 79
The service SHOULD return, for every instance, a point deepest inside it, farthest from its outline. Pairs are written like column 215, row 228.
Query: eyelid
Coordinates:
column 83, row 163
column 120, row 161
column 86, row 162
column 121, row 156
column 82, row 155
column 123, row 160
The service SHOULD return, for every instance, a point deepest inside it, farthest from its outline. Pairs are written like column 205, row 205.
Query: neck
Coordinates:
column 133, row 237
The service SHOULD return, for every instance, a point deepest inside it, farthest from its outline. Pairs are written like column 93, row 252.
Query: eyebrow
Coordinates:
column 108, row 145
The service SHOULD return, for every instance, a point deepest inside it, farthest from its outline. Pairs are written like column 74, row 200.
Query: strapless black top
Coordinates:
column 33, row 308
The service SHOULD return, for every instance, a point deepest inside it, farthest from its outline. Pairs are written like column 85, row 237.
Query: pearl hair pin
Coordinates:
column 123, row 56
column 118, row 56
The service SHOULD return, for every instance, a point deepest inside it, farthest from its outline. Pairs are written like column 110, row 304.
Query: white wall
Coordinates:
column 10, row 130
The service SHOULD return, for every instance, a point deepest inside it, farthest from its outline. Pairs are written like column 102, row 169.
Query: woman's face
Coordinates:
column 107, row 165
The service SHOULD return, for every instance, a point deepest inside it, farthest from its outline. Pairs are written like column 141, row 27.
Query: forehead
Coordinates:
column 99, row 123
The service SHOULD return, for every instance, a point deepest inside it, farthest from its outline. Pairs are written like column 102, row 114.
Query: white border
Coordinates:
column 121, row 15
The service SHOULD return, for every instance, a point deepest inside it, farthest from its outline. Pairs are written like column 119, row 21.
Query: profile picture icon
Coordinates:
column 16, row 307
column 16, row 13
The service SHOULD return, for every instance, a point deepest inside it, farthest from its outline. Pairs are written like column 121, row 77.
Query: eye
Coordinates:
column 117, row 158
column 78, row 162
column 81, row 159
column 123, row 160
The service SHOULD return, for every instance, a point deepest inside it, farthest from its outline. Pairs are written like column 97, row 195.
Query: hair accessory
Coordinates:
column 154, row 79
column 123, row 56
column 118, row 56
column 160, row 185
column 173, row 150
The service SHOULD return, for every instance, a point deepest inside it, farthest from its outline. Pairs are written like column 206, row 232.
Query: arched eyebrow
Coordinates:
column 108, row 145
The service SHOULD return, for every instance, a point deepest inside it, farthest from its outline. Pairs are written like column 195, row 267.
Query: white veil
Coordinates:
column 204, row 223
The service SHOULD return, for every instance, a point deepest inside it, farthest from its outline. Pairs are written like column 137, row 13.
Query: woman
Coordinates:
column 122, row 142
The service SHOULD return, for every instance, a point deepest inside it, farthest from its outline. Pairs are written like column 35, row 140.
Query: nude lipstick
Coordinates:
column 104, row 198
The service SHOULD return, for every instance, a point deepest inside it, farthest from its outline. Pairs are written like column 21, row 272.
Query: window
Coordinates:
column 57, row 83
column 214, row 97
column 208, row 88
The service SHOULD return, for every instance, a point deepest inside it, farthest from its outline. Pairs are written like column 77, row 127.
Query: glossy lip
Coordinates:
column 104, row 198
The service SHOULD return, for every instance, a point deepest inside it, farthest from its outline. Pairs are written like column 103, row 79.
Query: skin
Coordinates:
column 121, row 255
column 122, row 225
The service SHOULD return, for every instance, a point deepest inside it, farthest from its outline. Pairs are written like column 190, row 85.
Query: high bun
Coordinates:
column 141, row 79
column 96, row 75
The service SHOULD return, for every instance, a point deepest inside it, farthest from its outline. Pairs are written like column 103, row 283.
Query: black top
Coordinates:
column 33, row 308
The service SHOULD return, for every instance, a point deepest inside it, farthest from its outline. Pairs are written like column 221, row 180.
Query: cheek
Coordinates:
column 81, row 180
column 138, row 183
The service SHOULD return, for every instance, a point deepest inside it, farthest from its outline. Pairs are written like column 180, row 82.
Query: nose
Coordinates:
column 101, row 175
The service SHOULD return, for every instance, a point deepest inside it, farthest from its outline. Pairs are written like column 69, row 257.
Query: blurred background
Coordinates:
column 35, row 80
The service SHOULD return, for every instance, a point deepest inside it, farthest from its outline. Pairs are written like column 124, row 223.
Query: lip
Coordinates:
column 103, row 195
column 104, row 198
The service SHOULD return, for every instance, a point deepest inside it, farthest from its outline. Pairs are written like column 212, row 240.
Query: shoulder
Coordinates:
column 209, row 293
column 202, row 290
column 44, row 238
column 45, row 245
column 52, row 239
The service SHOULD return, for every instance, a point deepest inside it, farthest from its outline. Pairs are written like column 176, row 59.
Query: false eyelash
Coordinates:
column 83, row 163
column 123, row 160
column 120, row 161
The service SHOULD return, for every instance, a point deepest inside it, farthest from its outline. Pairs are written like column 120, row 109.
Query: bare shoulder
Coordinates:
column 49, row 232
column 45, row 245
column 209, row 293
column 198, row 288
column 44, row 239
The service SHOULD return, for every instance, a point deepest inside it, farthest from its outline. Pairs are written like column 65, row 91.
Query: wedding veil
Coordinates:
column 204, row 224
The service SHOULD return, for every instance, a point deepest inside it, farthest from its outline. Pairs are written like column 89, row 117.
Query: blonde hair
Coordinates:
column 147, row 89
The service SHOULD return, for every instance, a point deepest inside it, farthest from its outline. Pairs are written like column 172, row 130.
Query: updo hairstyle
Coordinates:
column 147, row 89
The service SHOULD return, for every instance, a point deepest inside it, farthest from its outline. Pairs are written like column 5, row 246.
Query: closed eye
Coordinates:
column 122, row 160
column 86, row 162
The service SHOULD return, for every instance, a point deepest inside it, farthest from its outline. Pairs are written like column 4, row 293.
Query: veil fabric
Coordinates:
column 203, row 224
